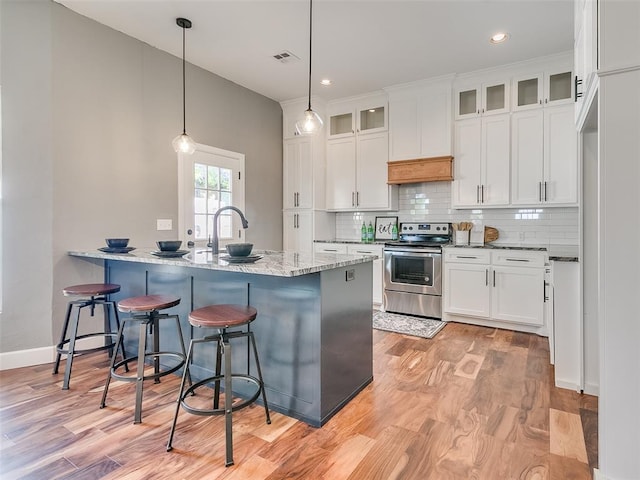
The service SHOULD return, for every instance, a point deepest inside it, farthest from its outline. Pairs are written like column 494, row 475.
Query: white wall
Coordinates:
column 619, row 255
column 87, row 154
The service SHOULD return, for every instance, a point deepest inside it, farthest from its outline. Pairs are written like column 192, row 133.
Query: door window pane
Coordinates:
column 213, row 190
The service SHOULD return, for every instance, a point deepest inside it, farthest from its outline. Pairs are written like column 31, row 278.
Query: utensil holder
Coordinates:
column 462, row 237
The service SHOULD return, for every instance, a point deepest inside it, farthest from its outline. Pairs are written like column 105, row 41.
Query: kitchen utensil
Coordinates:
column 239, row 249
column 490, row 234
column 169, row 245
column 117, row 242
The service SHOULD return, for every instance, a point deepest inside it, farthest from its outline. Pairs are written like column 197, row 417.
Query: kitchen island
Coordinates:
column 314, row 324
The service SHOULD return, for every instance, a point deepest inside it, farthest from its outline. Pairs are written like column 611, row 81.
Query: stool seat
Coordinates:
column 222, row 316
column 147, row 303
column 91, row 289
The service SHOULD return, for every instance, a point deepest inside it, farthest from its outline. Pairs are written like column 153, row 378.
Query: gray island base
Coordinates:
column 314, row 324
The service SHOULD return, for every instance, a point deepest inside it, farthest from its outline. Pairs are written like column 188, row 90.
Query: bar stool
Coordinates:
column 97, row 295
column 146, row 311
column 222, row 317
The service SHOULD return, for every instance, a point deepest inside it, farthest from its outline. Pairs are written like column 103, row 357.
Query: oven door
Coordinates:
column 413, row 270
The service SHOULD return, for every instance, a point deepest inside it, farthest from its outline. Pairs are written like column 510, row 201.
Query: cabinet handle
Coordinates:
column 540, row 101
column 539, row 191
column 353, row 196
column 357, row 199
column 295, row 220
column 576, row 82
column 330, row 250
column 517, row 260
column 465, row 256
column 494, row 278
column 486, row 277
column 481, row 193
column 544, row 291
column 477, row 193
column 545, row 191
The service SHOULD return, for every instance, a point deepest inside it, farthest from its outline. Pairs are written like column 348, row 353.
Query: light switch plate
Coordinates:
column 164, row 224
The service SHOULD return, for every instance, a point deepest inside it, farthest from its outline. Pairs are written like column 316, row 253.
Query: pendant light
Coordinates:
column 310, row 123
column 183, row 143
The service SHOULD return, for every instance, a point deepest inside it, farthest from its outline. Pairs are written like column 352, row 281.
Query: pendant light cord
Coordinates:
column 310, row 35
column 184, row 87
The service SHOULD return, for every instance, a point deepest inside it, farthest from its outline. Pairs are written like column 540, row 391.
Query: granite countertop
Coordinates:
column 558, row 253
column 281, row 264
column 352, row 242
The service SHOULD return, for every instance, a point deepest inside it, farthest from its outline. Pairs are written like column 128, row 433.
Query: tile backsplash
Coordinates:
column 431, row 202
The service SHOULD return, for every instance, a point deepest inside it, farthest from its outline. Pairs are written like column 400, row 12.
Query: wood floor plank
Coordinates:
column 566, row 436
column 471, row 403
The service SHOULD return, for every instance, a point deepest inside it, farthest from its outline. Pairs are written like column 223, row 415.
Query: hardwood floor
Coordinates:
column 472, row 403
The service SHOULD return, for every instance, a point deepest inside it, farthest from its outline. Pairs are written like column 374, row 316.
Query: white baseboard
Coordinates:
column 27, row 358
column 38, row 356
column 592, row 389
column 568, row 385
column 599, row 476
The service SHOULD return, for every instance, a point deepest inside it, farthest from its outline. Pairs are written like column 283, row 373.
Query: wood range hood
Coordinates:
column 433, row 169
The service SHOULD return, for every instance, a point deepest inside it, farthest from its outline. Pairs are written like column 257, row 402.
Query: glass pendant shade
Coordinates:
column 184, row 144
column 309, row 124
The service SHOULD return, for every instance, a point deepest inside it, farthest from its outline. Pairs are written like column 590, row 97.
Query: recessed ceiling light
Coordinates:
column 326, row 82
column 372, row 110
column 499, row 37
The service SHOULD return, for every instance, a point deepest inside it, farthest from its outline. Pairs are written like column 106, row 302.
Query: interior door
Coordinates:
column 209, row 179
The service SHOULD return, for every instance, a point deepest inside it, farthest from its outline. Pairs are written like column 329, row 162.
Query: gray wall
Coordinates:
column 88, row 118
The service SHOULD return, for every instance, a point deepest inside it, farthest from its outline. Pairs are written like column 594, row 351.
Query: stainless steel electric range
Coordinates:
column 413, row 269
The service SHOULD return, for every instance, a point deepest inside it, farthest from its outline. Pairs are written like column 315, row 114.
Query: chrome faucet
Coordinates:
column 214, row 243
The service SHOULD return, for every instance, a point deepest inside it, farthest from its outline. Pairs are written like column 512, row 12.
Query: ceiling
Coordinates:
column 361, row 45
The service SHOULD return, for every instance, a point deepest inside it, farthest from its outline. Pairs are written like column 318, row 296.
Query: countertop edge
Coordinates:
column 281, row 264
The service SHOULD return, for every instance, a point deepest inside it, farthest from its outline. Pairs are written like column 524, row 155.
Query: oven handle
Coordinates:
column 413, row 250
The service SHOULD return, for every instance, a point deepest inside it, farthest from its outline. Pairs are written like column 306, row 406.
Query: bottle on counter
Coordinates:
column 363, row 233
column 394, row 232
column 370, row 233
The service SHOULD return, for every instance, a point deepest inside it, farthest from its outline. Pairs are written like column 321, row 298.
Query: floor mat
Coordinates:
column 407, row 324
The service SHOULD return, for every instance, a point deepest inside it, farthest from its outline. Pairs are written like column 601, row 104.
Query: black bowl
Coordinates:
column 239, row 249
column 117, row 242
column 169, row 245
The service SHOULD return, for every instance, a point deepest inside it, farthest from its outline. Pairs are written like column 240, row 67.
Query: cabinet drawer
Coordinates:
column 330, row 248
column 467, row 255
column 365, row 250
column 518, row 258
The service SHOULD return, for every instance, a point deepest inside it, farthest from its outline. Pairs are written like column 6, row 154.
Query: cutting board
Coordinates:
column 490, row 234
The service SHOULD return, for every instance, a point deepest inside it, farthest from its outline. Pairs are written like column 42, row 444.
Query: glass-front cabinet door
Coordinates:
column 341, row 124
column 543, row 89
column 487, row 99
column 372, row 119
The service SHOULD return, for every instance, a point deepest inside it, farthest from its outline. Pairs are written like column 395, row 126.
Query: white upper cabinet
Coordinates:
column 297, row 169
column 481, row 176
column 357, row 155
column 542, row 89
column 420, row 121
column 544, row 162
column 489, row 98
column 585, row 54
column 361, row 116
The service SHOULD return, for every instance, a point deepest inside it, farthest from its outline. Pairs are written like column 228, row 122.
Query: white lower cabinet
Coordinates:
column 359, row 249
column 298, row 231
column 502, row 288
column 378, row 266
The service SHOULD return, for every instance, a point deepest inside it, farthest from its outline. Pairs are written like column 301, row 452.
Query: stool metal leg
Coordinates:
column 71, row 350
column 228, row 402
column 262, row 389
column 119, row 342
column 185, row 374
column 142, row 346
column 184, row 352
column 63, row 337
column 216, row 383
